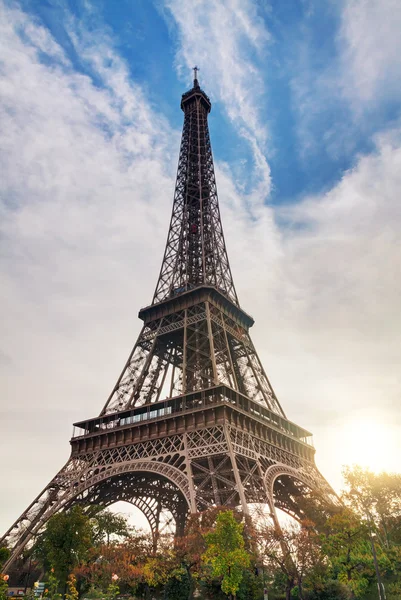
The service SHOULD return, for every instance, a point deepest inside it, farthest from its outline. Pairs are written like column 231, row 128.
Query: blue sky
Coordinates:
column 306, row 134
column 303, row 42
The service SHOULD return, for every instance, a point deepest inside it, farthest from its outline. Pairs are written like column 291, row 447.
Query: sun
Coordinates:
column 370, row 443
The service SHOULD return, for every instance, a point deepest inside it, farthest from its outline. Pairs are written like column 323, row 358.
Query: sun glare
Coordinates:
column 370, row 444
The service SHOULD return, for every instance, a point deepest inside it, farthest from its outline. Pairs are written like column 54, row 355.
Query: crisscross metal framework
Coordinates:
column 193, row 421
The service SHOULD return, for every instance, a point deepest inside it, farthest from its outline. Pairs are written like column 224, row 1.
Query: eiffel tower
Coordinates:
column 193, row 421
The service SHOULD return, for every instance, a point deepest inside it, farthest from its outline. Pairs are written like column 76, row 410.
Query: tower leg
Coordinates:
column 238, row 482
column 81, row 480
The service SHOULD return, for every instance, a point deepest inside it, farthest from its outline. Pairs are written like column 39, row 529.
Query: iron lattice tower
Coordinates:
column 192, row 421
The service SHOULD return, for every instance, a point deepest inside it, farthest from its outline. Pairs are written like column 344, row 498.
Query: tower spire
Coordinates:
column 195, row 70
column 195, row 252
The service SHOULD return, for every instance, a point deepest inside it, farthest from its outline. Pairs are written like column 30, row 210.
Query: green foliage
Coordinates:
column 347, row 547
column 251, row 587
column 3, row 587
column 52, row 585
column 376, row 498
column 112, row 591
column 156, row 571
column 330, row 590
column 225, row 552
column 106, row 524
column 179, row 586
column 93, row 593
column 66, row 542
column 4, row 554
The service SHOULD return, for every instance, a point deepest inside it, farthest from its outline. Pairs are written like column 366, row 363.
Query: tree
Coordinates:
column 178, row 586
column 106, row 524
column 225, row 552
column 66, row 542
column 125, row 559
column 347, row 547
column 296, row 552
column 377, row 498
column 190, row 547
column 4, row 554
column 330, row 590
column 251, row 586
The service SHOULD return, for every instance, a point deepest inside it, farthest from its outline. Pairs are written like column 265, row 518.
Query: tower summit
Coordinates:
column 195, row 252
column 192, row 421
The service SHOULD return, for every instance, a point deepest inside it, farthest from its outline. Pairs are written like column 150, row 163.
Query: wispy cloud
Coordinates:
column 224, row 38
column 370, row 50
column 344, row 99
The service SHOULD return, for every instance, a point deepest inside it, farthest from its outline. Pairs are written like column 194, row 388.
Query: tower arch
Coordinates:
column 301, row 494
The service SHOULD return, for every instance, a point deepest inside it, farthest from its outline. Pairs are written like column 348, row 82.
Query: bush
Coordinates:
column 93, row 594
column 331, row 590
column 178, row 588
column 251, row 587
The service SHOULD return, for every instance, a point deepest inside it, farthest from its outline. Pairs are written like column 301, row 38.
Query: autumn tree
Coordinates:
column 225, row 552
column 190, row 547
column 72, row 592
column 124, row 558
column 294, row 550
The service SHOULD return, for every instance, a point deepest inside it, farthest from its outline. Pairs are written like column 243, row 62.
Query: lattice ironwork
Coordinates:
column 195, row 252
column 191, row 350
column 192, row 421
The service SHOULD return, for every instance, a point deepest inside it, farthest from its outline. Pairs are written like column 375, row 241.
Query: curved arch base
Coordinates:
column 150, row 492
column 221, row 465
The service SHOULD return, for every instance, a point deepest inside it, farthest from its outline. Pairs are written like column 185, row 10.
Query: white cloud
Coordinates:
column 329, row 316
column 324, row 289
column 370, row 44
column 343, row 98
column 223, row 38
column 86, row 191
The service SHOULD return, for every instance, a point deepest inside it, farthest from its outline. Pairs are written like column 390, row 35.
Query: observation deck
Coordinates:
column 216, row 405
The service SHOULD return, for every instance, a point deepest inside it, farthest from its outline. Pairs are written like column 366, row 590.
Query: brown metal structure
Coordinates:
column 192, row 421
